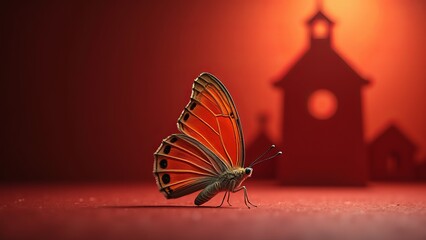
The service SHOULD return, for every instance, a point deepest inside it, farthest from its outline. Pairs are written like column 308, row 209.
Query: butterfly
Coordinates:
column 208, row 153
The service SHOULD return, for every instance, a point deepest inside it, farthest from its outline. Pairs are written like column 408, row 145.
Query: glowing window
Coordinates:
column 320, row 29
column 322, row 104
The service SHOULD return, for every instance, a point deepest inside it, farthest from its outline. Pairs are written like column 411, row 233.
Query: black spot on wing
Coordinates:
column 167, row 149
column 163, row 163
column 165, row 178
column 186, row 116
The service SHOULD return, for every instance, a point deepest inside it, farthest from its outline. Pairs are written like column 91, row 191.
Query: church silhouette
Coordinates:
column 323, row 122
column 323, row 132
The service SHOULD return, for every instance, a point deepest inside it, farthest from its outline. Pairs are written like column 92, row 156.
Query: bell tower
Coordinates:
column 323, row 137
column 320, row 29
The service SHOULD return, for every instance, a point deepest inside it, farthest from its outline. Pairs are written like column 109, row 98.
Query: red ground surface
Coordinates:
column 140, row 212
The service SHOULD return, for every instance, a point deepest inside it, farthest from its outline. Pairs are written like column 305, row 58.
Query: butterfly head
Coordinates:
column 248, row 171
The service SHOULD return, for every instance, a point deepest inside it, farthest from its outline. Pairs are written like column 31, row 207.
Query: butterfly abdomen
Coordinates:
column 208, row 193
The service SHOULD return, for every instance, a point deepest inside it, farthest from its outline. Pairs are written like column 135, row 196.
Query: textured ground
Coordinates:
column 123, row 211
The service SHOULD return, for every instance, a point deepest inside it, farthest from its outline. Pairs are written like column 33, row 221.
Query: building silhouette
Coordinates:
column 323, row 117
column 391, row 156
column 259, row 145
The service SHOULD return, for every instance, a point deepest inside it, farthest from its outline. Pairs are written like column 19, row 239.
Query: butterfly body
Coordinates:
column 208, row 153
column 229, row 181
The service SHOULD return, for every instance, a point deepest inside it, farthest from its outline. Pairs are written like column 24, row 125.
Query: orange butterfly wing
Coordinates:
column 183, row 166
column 212, row 141
column 212, row 119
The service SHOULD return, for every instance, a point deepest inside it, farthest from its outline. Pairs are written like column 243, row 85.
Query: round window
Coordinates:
column 322, row 104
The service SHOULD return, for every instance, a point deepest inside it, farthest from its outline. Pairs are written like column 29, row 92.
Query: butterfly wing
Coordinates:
column 212, row 119
column 182, row 166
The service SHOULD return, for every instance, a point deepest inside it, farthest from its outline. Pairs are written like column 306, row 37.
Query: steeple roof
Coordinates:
column 320, row 63
column 319, row 16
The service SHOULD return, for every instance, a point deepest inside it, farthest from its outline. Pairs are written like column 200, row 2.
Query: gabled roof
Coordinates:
column 320, row 59
column 319, row 16
column 394, row 133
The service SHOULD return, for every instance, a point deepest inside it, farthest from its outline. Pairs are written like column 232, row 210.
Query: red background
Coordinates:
column 90, row 89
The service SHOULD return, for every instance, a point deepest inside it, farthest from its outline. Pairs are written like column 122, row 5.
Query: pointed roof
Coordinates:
column 314, row 62
column 319, row 16
column 320, row 59
column 394, row 132
column 262, row 135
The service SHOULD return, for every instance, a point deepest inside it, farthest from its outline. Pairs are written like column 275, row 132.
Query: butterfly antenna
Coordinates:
column 266, row 159
column 261, row 155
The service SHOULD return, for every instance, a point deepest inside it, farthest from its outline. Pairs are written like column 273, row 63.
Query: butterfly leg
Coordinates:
column 231, row 187
column 229, row 195
column 246, row 199
column 223, row 199
column 246, row 196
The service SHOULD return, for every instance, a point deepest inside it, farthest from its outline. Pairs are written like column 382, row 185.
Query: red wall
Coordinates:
column 90, row 89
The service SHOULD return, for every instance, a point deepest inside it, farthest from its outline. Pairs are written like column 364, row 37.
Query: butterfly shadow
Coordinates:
column 164, row 206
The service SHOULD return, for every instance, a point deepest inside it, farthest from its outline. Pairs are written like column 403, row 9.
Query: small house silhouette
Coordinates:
column 265, row 170
column 323, row 118
column 391, row 156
